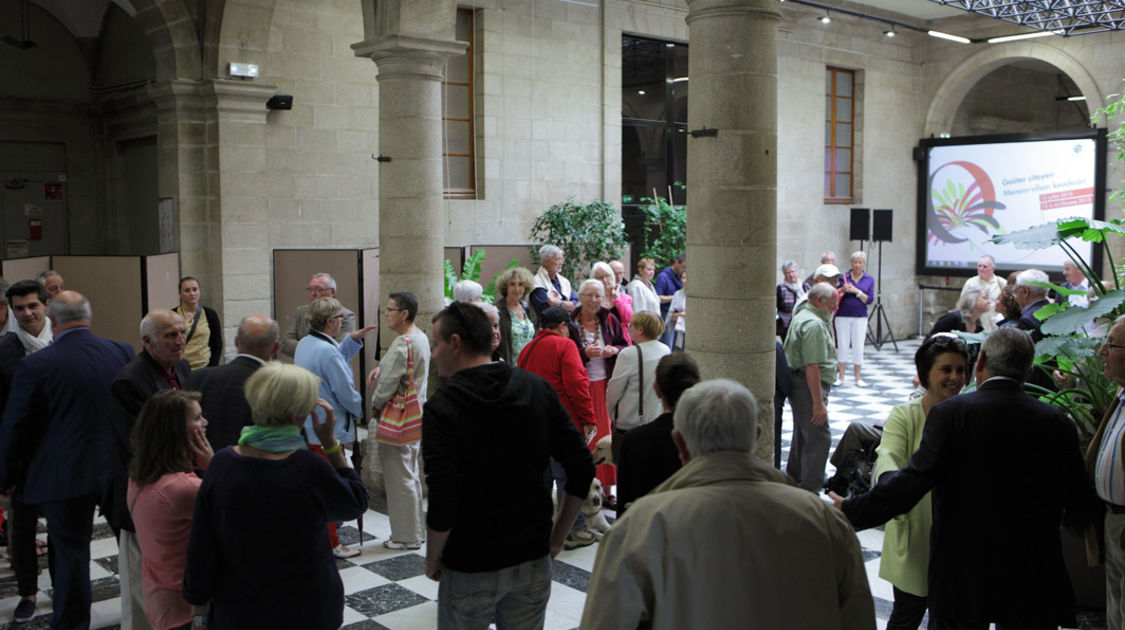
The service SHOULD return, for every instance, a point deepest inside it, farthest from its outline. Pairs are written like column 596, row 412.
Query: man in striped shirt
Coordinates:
column 1106, row 461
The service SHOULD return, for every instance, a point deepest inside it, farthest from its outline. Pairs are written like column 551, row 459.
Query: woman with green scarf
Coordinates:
column 259, row 551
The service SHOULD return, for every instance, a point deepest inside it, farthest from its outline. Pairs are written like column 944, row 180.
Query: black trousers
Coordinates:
column 908, row 611
column 70, row 525
column 23, row 518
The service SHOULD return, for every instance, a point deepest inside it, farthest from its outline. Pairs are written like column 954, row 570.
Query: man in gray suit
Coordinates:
column 320, row 285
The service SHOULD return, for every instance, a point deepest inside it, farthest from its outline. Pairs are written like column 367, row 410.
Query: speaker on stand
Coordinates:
column 881, row 231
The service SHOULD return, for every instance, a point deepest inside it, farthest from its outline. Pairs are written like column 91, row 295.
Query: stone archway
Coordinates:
column 953, row 88
column 170, row 29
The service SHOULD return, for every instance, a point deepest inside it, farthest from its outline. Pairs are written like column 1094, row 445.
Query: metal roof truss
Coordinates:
column 1069, row 17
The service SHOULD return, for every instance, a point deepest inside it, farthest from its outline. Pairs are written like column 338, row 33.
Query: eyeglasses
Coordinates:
column 318, row 289
column 337, row 316
column 1111, row 346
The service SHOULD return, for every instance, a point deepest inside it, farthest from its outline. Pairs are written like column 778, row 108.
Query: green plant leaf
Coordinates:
column 1071, row 320
column 1069, row 346
column 472, row 266
column 450, row 279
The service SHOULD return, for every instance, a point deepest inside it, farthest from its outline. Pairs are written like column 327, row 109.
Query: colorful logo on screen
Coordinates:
column 963, row 196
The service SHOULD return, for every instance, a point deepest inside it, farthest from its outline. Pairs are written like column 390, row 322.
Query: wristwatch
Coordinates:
column 199, row 621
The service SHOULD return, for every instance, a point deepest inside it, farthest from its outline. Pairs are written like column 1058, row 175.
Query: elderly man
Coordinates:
column 1031, row 298
column 826, row 272
column 618, row 268
column 61, row 395
column 159, row 365
column 1105, row 462
column 826, row 258
column 489, row 421
column 52, row 281
column 670, row 280
column 995, row 554
column 1076, row 280
column 987, row 282
column 28, row 300
column 551, row 288
column 812, row 358
column 320, row 285
column 705, row 549
column 224, row 402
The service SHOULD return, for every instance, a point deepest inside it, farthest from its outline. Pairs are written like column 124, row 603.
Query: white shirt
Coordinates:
column 623, row 391
column 1109, row 472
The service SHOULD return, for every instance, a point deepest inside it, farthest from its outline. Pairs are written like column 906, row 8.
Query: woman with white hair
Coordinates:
column 551, row 288
column 258, row 552
column 615, row 298
column 857, row 290
column 789, row 292
column 600, row 339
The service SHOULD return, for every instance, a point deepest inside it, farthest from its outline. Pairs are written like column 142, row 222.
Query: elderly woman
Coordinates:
column 517, row 321
column 857, row 290
column 259, row 551
column 971, row 307
column 402, row 373
column 630, row 399
column 616, row 298
column 319, row 353
column 204, row 346
column 600, row 339
column 169, row 445
column 550, row 287
column 641, row 289
column 493, row 315
column 789, row 292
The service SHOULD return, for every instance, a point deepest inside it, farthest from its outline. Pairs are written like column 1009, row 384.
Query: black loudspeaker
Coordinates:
column 882, row 225
column 280, row 101
column 861, row 224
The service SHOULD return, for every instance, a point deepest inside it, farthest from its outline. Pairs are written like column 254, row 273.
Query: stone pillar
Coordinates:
column 732, row 182
column 412, row 220
column 211, row 161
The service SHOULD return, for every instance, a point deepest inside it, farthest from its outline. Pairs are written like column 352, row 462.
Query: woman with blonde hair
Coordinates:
column 641, row 288
column 629, row 397
column 857, row 290
column 259, row 551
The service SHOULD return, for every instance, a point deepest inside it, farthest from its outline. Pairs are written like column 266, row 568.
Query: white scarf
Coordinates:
column 33, row 343
column 543, row 280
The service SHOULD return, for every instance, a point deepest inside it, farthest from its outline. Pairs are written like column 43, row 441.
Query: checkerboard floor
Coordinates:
column 388, row 589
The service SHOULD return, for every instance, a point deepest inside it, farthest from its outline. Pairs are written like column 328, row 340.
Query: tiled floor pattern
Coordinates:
column 387, row 589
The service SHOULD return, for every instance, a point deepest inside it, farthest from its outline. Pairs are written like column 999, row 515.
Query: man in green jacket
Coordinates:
column 812, row 357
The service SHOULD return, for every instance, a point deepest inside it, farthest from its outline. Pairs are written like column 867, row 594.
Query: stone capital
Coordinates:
column 409, row 56
column 240, row 101
column 726, row 9
column 178, row 95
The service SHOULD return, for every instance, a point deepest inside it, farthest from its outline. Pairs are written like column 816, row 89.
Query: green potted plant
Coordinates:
column 586, row 233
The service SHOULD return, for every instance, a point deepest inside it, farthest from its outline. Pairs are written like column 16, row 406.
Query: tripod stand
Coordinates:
column 880, row 313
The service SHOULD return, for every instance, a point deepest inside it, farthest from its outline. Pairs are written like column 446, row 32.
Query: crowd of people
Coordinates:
column 557, row 392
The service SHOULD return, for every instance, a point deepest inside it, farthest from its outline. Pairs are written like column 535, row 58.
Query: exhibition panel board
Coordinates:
column 115, row 287
column 15, row 269
column 292, row 269
column 498, row 257
column 162, row 282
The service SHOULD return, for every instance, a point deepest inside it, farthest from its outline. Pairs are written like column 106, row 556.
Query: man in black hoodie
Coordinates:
column 487, row 434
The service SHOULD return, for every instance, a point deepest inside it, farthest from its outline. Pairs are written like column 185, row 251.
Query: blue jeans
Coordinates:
column 516, row 597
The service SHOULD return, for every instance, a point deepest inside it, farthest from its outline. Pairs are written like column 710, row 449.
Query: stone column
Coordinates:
column 732, row 183
column 411, row 208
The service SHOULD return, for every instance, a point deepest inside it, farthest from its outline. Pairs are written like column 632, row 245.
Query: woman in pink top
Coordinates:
column 169, row 444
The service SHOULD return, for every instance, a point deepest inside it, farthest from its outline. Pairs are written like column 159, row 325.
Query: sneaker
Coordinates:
column 859, row 382
column 25, row 610
column 342, row 552
column 839, row 383
column 393, row 544
column 578, row 538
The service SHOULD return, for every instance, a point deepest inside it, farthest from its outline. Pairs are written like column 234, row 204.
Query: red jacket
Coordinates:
column 556, row 358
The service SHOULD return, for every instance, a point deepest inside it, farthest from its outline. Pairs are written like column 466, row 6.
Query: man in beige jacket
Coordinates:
column 728, row 541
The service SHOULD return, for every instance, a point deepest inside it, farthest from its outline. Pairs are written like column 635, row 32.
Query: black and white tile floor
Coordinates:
column 388, row 589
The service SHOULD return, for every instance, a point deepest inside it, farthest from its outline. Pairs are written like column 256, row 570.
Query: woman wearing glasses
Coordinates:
column 319, row 353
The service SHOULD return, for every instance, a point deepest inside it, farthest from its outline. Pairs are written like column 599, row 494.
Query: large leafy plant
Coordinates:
column 665, row 231
column 471, row 271
column 586, row 233
column 1086, row 393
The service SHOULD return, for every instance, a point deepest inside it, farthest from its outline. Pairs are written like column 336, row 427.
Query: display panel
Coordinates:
column 972, row 188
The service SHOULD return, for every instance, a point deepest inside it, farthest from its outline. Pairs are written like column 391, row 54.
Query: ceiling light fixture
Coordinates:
column 1075, row 98
column 952, row 38
column 825, row 19
column 891, row 32
column 1016, row 38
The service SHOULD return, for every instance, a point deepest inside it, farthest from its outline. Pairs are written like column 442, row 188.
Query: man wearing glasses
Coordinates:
column 1105, row 461
column 320, row 285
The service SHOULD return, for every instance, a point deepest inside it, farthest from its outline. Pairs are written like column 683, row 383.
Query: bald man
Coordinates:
column 224, row 402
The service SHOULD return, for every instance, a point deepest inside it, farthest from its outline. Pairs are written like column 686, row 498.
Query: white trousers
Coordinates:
column 851, row 332
column 404, row 491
